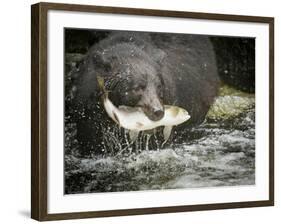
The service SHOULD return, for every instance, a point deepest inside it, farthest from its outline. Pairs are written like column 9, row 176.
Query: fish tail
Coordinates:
column 102, row 86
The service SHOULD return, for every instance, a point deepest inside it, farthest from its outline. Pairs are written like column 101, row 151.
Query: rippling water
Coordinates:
column 221, row 152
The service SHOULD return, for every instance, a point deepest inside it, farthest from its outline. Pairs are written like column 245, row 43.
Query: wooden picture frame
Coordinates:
column 39, row 110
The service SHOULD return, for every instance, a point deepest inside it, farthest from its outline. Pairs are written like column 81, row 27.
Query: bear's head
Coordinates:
column 133, row 77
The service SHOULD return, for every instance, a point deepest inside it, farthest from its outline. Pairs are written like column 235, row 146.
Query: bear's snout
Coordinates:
column 152, row 105
column 154, row 114
column 158, row 114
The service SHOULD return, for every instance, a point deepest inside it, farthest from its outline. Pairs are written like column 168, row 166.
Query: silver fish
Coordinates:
column 135, row 120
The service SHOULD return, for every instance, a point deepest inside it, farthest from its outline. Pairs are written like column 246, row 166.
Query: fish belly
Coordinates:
column 136, row 121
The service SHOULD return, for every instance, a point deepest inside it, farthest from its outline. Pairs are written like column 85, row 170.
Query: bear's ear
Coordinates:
column 158, row 55
column 101, row 63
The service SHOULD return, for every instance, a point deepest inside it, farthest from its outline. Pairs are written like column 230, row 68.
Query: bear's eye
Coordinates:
column 161, row 95
column 159, row 86
column 131, row 99
column 132, row 92
column 138, row 87
column 160, row 91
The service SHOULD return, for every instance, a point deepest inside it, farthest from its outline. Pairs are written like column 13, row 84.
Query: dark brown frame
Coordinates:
column 39, row 110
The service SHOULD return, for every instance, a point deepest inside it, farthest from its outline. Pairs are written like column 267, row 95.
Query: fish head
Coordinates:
column 177, row 114
column 183, row 115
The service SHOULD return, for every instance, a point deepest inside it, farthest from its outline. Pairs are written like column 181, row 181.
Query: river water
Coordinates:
column 221, row 152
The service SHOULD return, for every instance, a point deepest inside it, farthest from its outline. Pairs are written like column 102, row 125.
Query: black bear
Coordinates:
column 146, row 70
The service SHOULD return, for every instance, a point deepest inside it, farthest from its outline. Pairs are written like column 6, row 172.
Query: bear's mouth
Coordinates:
column 154, row 114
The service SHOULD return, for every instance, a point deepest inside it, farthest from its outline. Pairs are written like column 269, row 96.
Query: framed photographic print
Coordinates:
column 138, row 111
